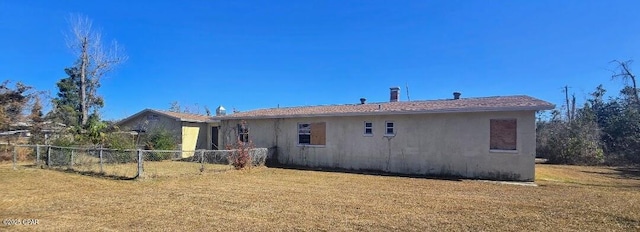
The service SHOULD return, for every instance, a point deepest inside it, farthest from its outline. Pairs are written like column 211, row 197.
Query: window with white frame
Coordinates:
column 243, row 132
column 389, row 128
column 368, row 128
column 304, row 133
column 312, row 133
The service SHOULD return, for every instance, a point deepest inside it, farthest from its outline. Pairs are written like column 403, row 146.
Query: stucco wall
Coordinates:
column 163, row 122
column 198, row 137
column 428, row 144
column 189, row 135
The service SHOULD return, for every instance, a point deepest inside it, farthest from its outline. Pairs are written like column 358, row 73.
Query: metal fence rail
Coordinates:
column 131, row 164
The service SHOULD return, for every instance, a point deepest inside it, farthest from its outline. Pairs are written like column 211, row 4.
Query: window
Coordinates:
column 243, row 133
column 152, row 117
column 312, row 133
column 389, row 128
column 368, row 128
column 304, row 133
column 503, row 134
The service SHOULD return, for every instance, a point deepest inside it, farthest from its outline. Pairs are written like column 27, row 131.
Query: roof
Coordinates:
column 184, row 117
column 481, row 104
column 187, row 117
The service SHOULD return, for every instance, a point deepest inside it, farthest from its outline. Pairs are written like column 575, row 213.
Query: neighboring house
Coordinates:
column 487, row 137
column 21, row 131
column 192, row 131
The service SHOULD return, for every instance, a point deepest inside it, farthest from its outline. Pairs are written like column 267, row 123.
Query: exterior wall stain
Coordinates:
column 444, row 144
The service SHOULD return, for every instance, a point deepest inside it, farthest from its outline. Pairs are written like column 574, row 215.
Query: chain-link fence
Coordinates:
column 131, row 164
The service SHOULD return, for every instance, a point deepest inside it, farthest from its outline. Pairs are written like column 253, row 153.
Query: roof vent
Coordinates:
column 221, row 111
column 363, row 100
column 456, row 95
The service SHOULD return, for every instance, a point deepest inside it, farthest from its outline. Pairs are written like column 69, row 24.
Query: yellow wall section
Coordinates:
column 189, row 140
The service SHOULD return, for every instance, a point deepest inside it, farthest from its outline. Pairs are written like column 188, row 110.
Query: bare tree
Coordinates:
column 624, row 72
column 94, row 60
column 175, row 107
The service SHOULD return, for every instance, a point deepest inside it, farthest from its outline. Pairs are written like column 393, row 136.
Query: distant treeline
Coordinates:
column 601, row 132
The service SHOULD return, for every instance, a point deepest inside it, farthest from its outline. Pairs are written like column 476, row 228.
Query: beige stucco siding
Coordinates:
column 189, row 135
column 431, row 144
column 141, row 122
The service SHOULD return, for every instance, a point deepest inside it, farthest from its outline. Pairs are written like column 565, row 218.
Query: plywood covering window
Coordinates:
column 243, row 133
column 503, row 134
column 312, row 133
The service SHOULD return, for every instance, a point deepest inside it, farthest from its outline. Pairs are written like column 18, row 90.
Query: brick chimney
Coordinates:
column 456, row 95
column 394, row 94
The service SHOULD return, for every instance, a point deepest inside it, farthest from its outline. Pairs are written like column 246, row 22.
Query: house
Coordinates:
column 192, row 131
column 485, row 137
column 21, row 131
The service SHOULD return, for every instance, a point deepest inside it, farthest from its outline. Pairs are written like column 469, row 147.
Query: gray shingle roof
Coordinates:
column 481, row 104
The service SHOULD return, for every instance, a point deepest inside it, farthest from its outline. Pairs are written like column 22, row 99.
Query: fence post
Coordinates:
column 201, row 160
column 49, row 156
column 101, row 163
column 140, row 172
column 15, row 157
column 37, row 154
column 71, row 160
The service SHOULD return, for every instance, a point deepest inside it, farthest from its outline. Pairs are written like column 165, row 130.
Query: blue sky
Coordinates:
column 261, row 54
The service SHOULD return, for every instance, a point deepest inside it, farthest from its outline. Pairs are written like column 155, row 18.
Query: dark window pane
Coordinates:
column 368, row 131
column 390, row 130
column 368, row 124
column 304, row 139
column 389, row 124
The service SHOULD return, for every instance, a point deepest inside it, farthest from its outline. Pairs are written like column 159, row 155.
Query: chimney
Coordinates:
column 363, row 100
column 456, row 95
column 394, row 94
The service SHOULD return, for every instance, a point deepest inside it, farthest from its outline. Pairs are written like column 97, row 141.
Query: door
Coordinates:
column 214, row 138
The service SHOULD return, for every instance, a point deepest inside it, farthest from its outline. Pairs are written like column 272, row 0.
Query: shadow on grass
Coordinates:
column 366, row 172
column 84, row 173
column 632, row 173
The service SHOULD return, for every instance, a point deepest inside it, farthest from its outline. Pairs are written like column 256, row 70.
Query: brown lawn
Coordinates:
column 567, row 198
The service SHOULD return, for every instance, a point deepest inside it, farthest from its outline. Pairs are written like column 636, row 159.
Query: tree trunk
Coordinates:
column 635, row 91
column 83, row 81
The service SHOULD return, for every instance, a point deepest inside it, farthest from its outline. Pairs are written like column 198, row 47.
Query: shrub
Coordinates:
column 240, row 157
column 160, row 139
column 63, row 141
column 119, row 141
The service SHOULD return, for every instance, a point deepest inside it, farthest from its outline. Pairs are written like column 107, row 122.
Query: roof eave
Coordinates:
column 439, row 111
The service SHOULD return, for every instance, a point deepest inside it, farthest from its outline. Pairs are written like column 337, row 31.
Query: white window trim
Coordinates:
column 503, row 151
column 241, row 133
column 298, row 144
column 298, row 134
column 365, row 129
column 386, row 127
column 309, row 145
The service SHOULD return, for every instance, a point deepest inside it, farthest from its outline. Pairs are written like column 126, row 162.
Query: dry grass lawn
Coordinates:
column 567, row 198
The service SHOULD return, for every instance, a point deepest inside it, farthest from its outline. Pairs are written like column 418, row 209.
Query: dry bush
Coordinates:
column 5, row 156
column 240, row 157
column 23, row 153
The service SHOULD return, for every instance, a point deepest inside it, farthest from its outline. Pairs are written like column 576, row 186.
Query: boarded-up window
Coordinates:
column 503, row 134
column 312, row 133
